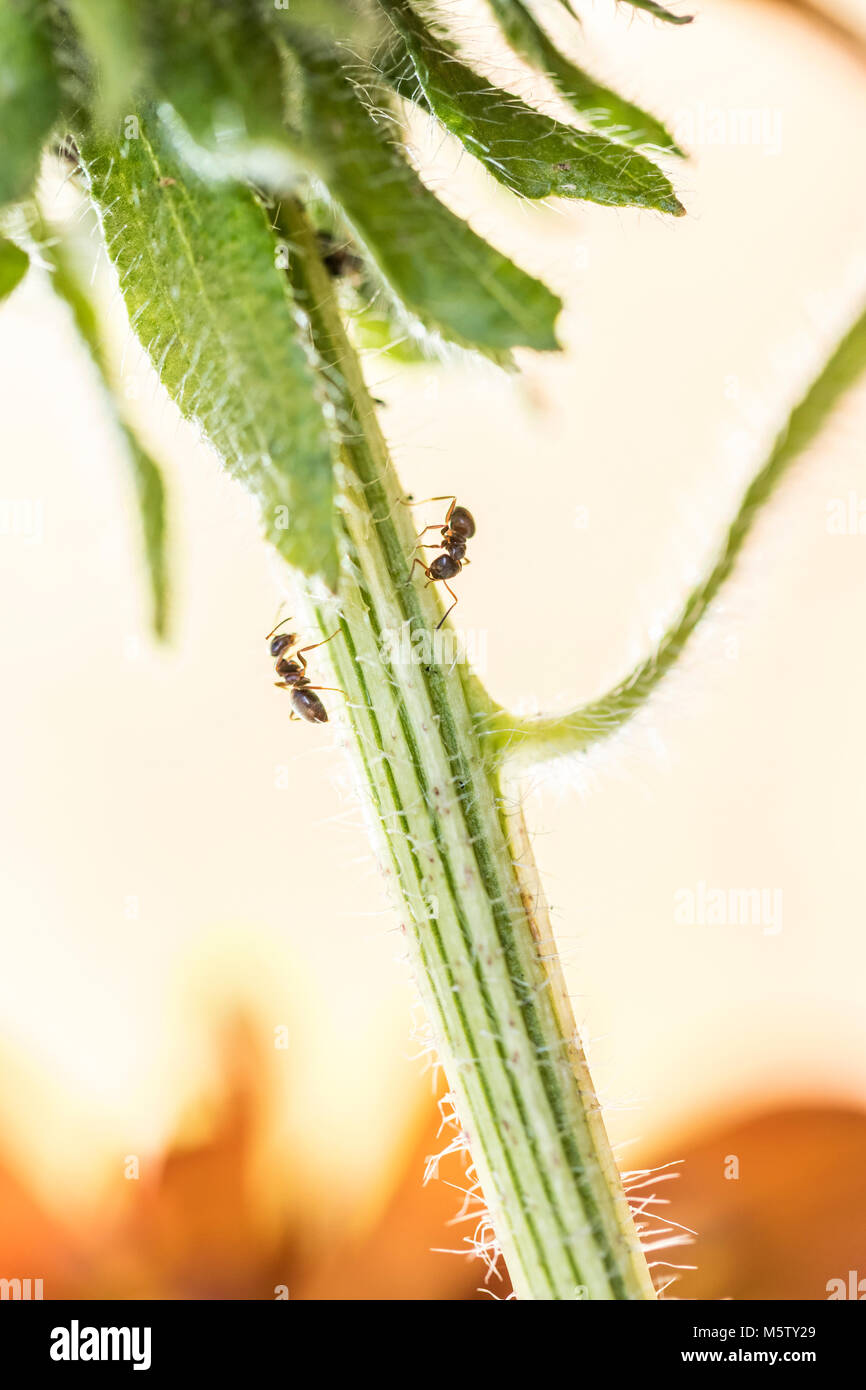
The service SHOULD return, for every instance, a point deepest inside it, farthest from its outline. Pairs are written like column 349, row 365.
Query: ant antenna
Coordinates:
column 279, row 624
column 410, row 501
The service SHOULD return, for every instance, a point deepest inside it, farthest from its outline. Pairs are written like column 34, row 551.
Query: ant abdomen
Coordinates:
column 307, row 704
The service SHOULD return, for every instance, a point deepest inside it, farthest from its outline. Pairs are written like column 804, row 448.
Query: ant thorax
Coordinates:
column 291, row 672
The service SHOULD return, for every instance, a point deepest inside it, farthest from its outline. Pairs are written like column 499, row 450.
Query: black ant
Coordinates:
column 339, row 259
column 293, row 675
column 67, row 150
column 458, row 529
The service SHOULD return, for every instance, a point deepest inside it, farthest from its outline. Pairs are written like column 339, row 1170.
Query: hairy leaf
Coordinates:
column 358, row 24
column 530, row 153
column 597, row 104
column 150, row 492
column 29, row 95
column 215, row 62
column 435, row 264
column 372, row 330
column 538, row 738
column 13, row 266
column 69, row 283
column 376, row 321
column 218, row 66
column 660, row 12
column 214, row 310
column 111, row 34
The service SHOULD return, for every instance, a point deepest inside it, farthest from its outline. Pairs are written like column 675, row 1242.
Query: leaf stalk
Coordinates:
column 460, row 867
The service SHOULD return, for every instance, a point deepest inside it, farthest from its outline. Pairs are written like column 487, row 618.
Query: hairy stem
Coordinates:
column 534, row 740
column 461, row 870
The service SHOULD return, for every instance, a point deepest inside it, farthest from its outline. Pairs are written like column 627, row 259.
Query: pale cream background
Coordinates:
column 131, row 774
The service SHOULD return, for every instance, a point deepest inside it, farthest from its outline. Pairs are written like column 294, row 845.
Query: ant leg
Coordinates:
column 451, row 609
column 279, row 624
column 424, row 567
column 313, row 648
column 335, row 689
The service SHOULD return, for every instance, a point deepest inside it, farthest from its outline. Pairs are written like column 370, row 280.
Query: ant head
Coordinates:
column 282, row 643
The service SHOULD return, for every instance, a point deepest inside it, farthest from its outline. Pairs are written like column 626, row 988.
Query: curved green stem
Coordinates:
column 534, row 740
column 462, row 873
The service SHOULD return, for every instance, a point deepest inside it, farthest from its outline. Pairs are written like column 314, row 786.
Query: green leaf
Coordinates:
column 198, row 267
column 660, row 12
column 537, row 739
column 360, row 25
column 443, row 273
column 72, row 287
column 530, row 153
column 216, row 62
column 111, row 34
column 150, row 491
column 372, row 330
column 598, row 105
column 13, row 266
column 29, row 95
column 375, row 320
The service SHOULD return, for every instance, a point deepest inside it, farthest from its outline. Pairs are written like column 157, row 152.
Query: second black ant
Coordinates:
column 291, row 667
column 458, row 529
column 340, row 261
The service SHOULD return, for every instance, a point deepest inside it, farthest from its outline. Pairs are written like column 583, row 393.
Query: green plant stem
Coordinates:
column 507, row 736
column 461, row 871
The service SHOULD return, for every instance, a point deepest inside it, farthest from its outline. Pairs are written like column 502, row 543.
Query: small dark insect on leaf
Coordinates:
column 458, row 529
column 67, row 150
column 292, row 671
column 340, row 260
column 167, row 183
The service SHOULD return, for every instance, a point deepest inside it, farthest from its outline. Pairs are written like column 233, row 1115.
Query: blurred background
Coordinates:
column 210, row 1080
